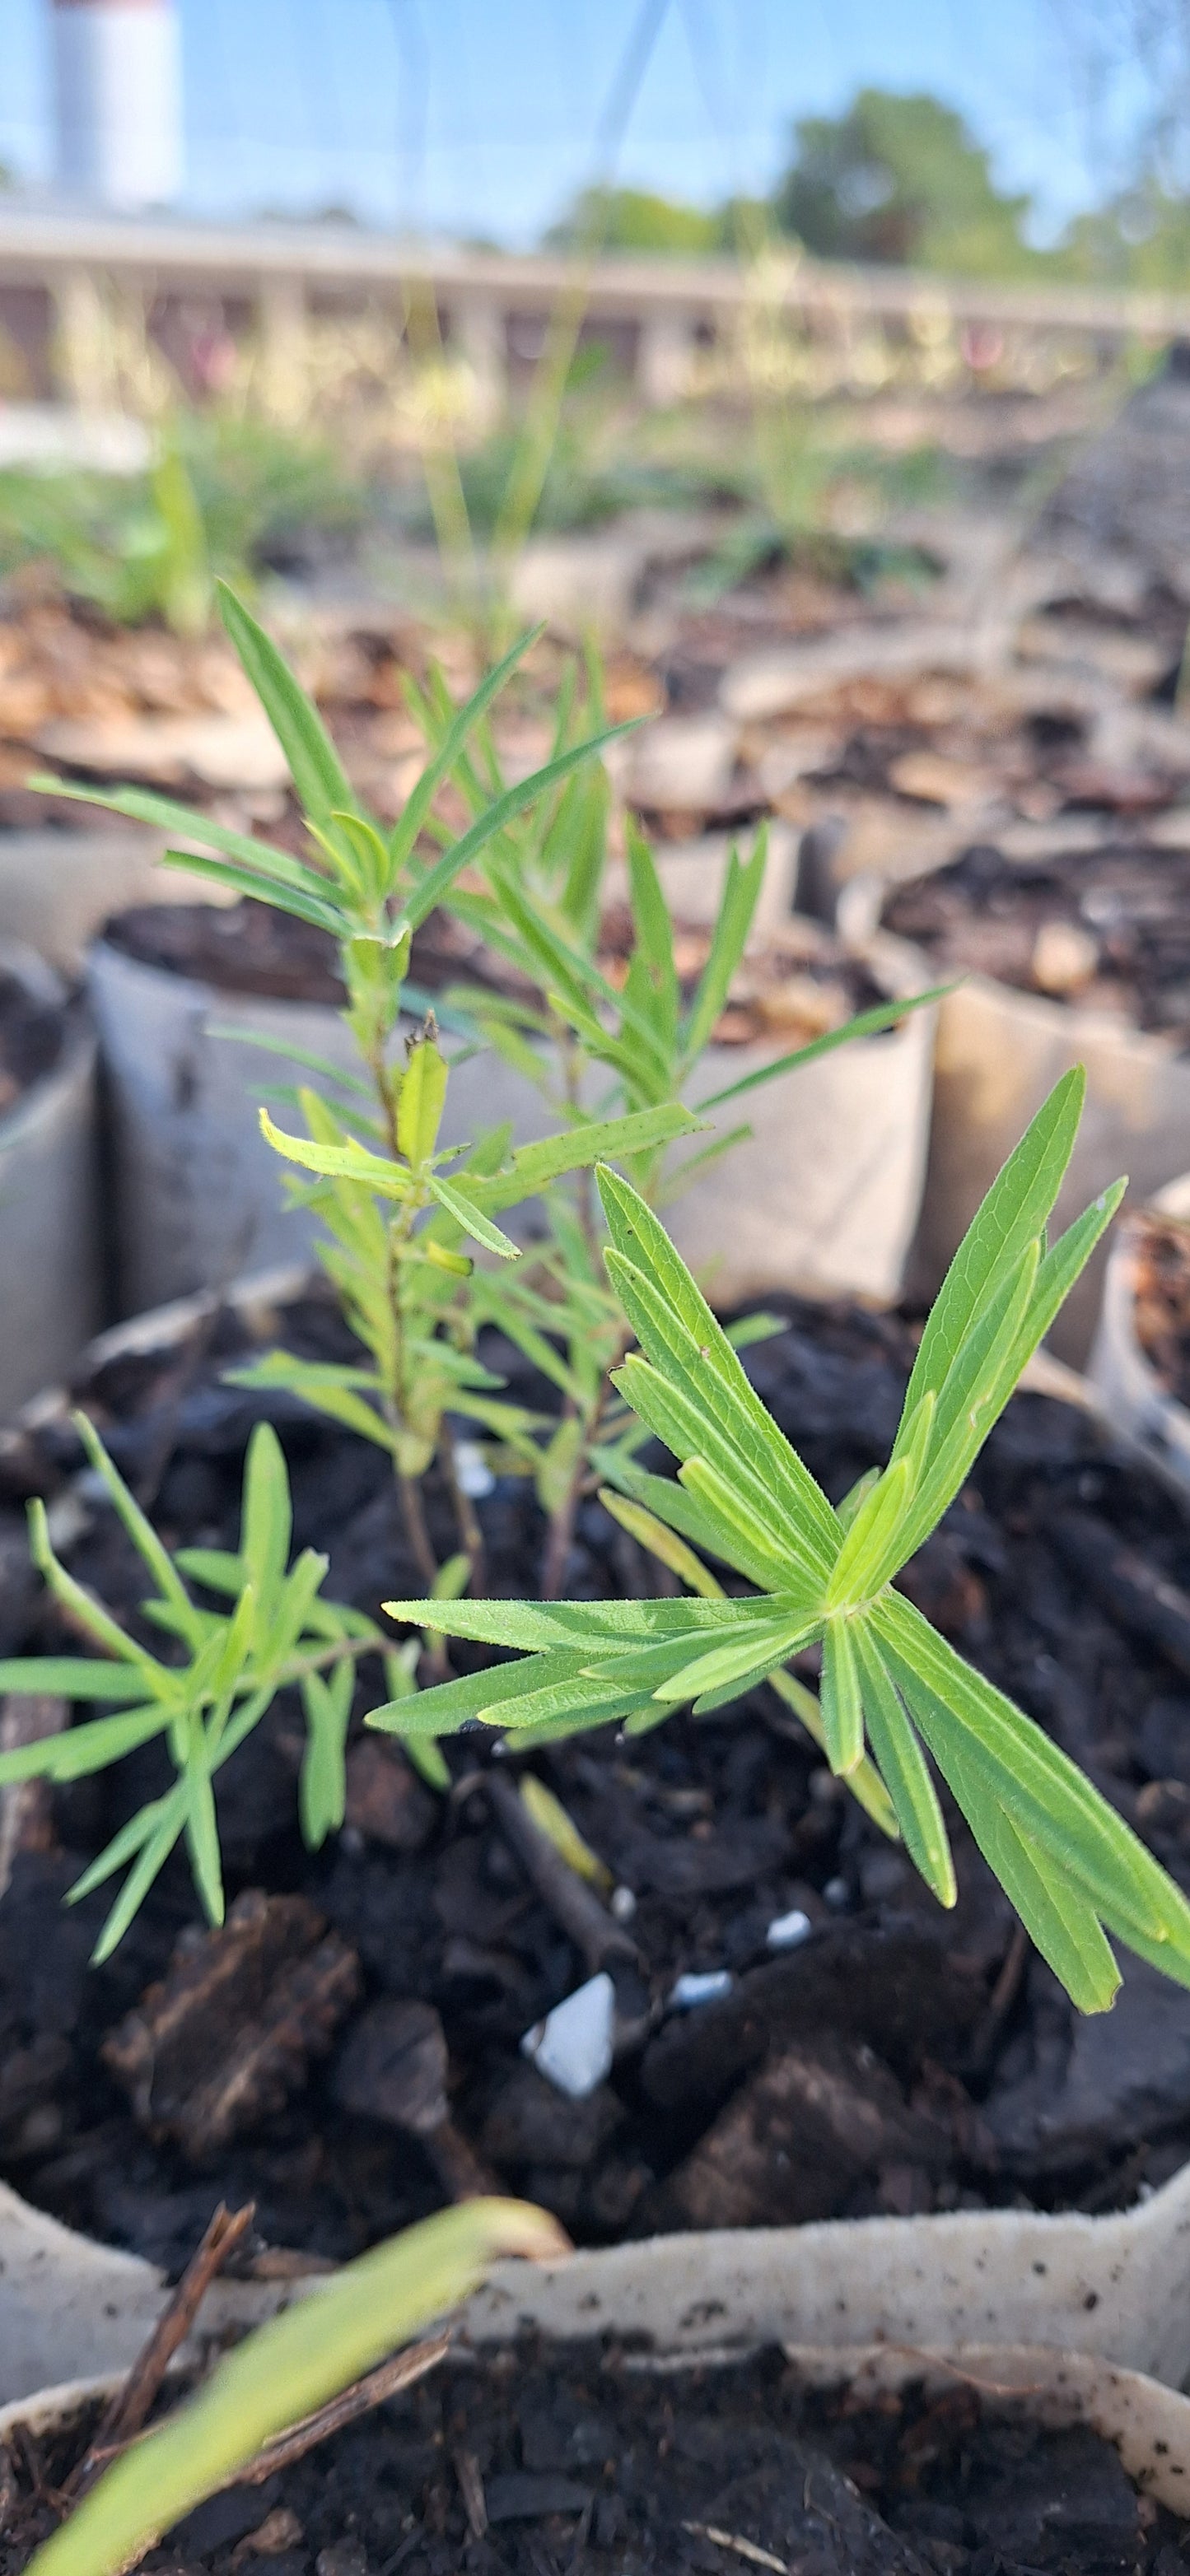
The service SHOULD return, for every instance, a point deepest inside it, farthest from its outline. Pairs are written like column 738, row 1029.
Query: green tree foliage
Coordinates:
column 1139, row 238
column 900, row 178
column 633, row 219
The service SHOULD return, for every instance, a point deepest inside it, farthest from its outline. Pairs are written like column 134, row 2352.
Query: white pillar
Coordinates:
column 477, row 333
column 284, row 384
column 665, row 356
column 118, row 89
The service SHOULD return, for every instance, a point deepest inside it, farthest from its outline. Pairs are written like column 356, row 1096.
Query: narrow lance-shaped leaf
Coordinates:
column 285, row 2372
column 444, row 760
column 431, row 888
column 866, row 1024
column 314, row 764
column 1014, row 1211
column 462, row 1208
column 903, row 1769
column 839, row 1698
column 638, row 1235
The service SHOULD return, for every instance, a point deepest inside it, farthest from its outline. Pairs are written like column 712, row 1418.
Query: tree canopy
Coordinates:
column 901, row 179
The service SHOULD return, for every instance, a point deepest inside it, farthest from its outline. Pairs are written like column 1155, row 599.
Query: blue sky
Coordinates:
column 481, row 115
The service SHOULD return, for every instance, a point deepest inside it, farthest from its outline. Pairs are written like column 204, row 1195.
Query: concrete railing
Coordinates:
column 490, row 304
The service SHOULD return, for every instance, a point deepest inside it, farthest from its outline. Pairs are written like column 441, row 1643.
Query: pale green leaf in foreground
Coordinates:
column 286, row 2370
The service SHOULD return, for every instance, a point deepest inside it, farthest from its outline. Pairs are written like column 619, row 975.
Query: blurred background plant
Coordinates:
column 225, row 495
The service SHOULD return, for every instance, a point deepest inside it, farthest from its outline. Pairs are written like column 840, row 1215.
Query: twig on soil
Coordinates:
column 475, row 2503
column 984, row 2387
column 743, row 2548
column 129, row 2408
column 1000, row 2002
column 400, row 2372
column 574, row 1905
column 26, row 1806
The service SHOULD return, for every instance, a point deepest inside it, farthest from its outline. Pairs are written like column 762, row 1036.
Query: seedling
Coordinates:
column 630, row 1046
column 397, row 1209
column 278, row 1632
column 398, row 1212
column 891, row 1685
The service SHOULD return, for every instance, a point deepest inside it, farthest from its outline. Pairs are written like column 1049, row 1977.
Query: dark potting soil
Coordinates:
column 1162, row 1299
column 1106, row 928
column 347, row 2053
column 803, row 983
column 534, row 2462
column 32, row 1035
column 248, row 948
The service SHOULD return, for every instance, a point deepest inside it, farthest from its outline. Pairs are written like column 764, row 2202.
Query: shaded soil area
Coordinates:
column 32, row 1036
column 247, row 948
column 1108, row 928
column 539, row 2461
column 347, row 2053
column 800, row 985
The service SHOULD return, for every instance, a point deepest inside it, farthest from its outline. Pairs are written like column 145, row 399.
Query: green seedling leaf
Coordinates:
column 202, row 1836
column 342, row 1162
column 903, row 1770
column 637, row 1234
column 285, row 2371
column 446, row 759
column 1060, row 1923
column 762, row 1646
column 462, row 1208
column 866, row 1024
column 83, row 1749
column 421, row 1101
column 305, row 1056
column 839, row 1698
column 431, row 888
column 277, row 868
column 320, row 781
column 741, row 894
column 1050, row 1800
column 267, row 1519
column 89, row 1614
column 585, row 1625
column 1015, row 1211
column 870, row 1550
column 64, row 1677
column 260, row 889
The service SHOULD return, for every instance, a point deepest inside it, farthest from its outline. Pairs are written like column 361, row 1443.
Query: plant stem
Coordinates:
column 413, row 1512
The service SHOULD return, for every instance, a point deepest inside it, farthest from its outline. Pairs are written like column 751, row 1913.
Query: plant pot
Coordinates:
column 1136, row 1402
column 824, row 1195
column 49, row 1254
column 1114, row 2285
column 1028, row 2389
column 999, row 1052
column 58, row 887
column 198, row 1192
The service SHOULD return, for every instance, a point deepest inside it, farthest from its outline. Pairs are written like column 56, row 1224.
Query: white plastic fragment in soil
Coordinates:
column 699, row 1987
column 788, row 1931
column 472, row 1469
column 572, row 2047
